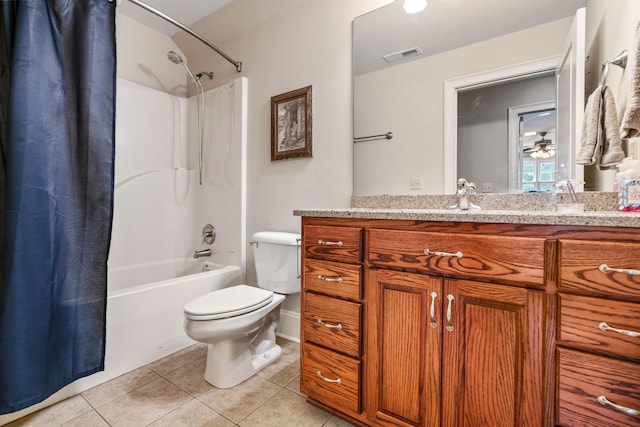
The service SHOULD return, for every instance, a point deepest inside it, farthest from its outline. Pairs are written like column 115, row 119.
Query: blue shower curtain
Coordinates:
column 59, row 194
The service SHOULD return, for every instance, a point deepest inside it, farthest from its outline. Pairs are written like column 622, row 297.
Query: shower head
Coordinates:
column 174, row 57
column 177, row 59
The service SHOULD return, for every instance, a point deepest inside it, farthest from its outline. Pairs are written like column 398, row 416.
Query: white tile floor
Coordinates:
column 172, row 392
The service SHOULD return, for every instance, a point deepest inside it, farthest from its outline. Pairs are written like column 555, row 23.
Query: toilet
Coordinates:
column 239, row 322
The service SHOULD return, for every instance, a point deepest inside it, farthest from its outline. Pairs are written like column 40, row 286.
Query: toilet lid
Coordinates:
column 227, row 302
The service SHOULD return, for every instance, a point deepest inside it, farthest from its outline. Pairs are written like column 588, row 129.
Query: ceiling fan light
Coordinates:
column 414, row 6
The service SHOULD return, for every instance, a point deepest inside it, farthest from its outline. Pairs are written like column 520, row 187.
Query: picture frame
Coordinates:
column 291, row 135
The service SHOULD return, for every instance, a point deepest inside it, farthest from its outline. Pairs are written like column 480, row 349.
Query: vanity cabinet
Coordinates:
column 428, row 323
column 449, row 351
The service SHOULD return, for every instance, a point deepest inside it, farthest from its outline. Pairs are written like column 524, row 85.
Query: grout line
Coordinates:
column 263, row 403
column 170, row 412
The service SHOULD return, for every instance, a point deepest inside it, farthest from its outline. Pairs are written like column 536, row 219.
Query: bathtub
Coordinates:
column 144, row 317
column 145, row 308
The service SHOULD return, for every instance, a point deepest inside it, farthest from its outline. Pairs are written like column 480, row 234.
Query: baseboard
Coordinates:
column 289, row 327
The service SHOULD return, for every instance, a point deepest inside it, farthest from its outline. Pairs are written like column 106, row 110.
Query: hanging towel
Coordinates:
column 591, row 141
column 631, row 121
column 612, row 153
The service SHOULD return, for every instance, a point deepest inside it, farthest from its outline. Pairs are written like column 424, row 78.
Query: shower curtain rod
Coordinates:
column 167, row 18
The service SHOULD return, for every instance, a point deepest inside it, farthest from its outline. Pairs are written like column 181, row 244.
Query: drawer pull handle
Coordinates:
column 330, row 279
column 330, row 325
column 432, row 310
column 605, row 269
column 606, row 402
column 449, row 326
column 604, row 327
column 329, row 243
column 430, row 252
column 329, row 380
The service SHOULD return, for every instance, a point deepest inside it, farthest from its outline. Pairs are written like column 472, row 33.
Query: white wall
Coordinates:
column 308, row 44
column 610, row 29
column 408, row 100
column 142, row 57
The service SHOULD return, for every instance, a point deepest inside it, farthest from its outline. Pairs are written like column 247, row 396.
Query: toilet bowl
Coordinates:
column 239, row 322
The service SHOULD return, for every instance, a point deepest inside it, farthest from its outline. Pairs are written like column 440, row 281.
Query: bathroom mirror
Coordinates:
column 401, row 64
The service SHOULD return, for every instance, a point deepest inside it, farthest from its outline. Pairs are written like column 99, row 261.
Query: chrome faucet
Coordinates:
column 464, row 190
column 202, row 253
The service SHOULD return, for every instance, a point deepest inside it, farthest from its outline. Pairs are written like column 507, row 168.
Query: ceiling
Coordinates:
column 187, row 12
column 462, row 21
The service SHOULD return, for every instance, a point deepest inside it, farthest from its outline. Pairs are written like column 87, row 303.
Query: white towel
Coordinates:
column 600, row 143
column 591, row 141
column 630, row 126
column 612, row 152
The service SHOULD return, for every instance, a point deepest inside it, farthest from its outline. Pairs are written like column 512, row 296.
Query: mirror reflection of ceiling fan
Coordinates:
column 542, row 149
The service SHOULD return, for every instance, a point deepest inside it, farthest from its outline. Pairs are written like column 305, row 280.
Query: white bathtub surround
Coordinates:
column 159, row 208
column 221, row 200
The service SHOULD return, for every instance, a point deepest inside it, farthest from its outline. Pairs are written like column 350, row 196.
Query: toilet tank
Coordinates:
column 277, row 261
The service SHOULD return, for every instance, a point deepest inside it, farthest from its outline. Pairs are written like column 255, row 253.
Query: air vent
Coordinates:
column 403, row 54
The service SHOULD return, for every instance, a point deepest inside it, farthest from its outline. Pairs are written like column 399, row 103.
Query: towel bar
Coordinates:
column 620, row 61
column 387, row 135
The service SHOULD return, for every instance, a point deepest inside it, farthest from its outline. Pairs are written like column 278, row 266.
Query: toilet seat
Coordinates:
column 227, row 302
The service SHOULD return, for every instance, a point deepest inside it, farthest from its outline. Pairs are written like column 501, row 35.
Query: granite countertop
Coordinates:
column 594, row 218
column 600, row 209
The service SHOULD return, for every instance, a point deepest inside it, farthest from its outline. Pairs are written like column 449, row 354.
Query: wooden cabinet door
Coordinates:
column 493, row 355
column 404, row 345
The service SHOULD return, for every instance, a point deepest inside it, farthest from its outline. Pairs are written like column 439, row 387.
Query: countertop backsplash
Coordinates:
column 593, row 201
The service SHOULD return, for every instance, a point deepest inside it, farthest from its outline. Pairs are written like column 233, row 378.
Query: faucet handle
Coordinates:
column 208, row 234
column 472, row 187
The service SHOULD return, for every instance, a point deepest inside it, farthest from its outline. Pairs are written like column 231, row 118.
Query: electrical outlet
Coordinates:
column 415, row 184
column 487, row 187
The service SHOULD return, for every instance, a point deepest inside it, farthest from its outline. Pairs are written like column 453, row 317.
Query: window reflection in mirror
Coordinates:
column 498, row 126
column 536, row 142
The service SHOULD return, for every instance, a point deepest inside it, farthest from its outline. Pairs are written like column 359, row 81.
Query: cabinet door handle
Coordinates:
column 430, row 252
column 329, row 380
column 330, row 325
column 449, row 326
column 606, row 402
column 432, row 310
column 329, row 243
column 603, row 326
column 605, row 269
column 330, row 279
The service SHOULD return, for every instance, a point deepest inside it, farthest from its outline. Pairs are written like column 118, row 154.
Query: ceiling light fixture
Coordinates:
column 543, row 153
column 414, row 6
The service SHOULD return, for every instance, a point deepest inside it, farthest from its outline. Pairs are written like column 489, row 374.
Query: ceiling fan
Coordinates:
column 542, row 149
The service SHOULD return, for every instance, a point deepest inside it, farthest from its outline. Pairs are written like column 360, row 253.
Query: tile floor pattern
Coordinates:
column 172, row 392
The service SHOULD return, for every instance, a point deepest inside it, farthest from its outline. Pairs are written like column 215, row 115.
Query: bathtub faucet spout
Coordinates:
column 202, row 253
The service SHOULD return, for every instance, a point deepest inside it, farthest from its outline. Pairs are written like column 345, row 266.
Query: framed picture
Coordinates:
column 291, row 124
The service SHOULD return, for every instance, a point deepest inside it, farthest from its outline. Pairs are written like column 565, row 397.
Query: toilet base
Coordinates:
column 232, row 361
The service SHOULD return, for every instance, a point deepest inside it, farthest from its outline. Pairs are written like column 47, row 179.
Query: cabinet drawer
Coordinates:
column 331, row 378
column 340, row 327
column 333, row 278
column 581, row 261
column 499, row 258
column 333, row 243
column 583, row 377
column 580, row 318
